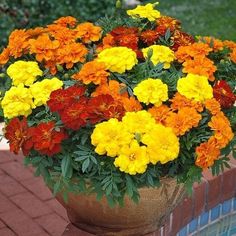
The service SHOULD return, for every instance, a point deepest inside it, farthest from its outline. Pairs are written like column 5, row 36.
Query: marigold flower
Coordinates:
column 18, row 101
column 24, row 72
column 131, row 104
column 18, row 43
column 118, row 59
column 62, row 98
column 16, row 132
column 160, row 113
column 108, row 137
column 229, row 44
column 223, row 133
column 33, row 33
column 214, row 43
column 43, row 47
column 72, row 53
column 181, row 39
column 149, row 37
column 160, row 54
column 146, row 11
column 46, row 139
column 213, row 106
column 191, row 51
column 132, row 159
column 162, row 144
column 179, row 101
column 168, row 22
column 66, row 21
column 41, row 90
column 195, row 87
column 107, row 42
column 88, row 32
column 152, row 91
column 182, row 123
column 207, row 153
column 200, row 65
column 92, row 72
column 223, row 94
column 233, row 55
column 4, row 56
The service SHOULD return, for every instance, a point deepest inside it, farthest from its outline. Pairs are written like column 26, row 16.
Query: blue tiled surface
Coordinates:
column 183, row 232
column 215, row 213
column 193, row 225
column 204, row 219
column 219, row 221
column 226, row 207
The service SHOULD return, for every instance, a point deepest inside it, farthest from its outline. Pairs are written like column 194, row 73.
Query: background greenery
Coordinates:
column 205, row 17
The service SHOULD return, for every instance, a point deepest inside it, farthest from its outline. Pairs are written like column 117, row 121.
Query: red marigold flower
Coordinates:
column 168, row 22
column 123, row 30
column 223, row 94
column 62, row 98
column 104, row 107
column 47, row 139
column 17, row 135
column 75, row 116
column 181, row 39
column 149, row 36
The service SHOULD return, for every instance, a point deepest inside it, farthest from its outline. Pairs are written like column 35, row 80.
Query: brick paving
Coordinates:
column 27, row 207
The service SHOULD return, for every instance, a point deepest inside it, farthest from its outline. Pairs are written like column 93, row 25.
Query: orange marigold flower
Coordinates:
column 88, row 32
column 229, row 44
column 181, row 39
column 168, row 22
column 66, row 21
column 149, row 37
column 207, row 153
column 181, row 123
column 62, row 34
column 213, row 106
column 200, row 65
column 131, row 104
column 160, row 113
column 17, row 135
column 188, row 52
column 43, row 47
column 215, row 44
column 222, row 130
column 92, row 72
column 72, row 53
column 233, row 55
column 46, row 139
column 107, row 42
column 179, row 101
column 18, row 43
column 4, row 56
column 33, row 33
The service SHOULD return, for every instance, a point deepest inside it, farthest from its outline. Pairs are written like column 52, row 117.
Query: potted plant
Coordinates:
column 118, row 116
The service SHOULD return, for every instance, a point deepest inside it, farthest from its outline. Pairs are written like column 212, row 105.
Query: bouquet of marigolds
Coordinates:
column 110, row 107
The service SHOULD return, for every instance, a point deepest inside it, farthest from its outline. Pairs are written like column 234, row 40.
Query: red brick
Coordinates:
column 20, row 158
column 214, row 186
column 71, row 230
column 9, row 186
column 167, row 227
column 176, row 220
column 31, row 204
column 199, row 198
column 5, row 156
column 16, row 170
column 22, row 224
column 38, row 187
column 5, row 204
column 229, row 184
column 58, row 208
column 1, row 172
column 52, row 223
column 2, row 225
column 6, row 232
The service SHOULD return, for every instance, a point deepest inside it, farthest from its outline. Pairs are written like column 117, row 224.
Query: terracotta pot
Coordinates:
column 147, row 216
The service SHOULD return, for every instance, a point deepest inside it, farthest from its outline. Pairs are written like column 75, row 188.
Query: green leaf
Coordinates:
column 85, row 165
column 66, row 167
column 56, row 187
column 129, row 186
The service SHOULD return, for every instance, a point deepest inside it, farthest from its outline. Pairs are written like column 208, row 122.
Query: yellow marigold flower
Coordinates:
column 24, row 72
column 162, row 144
column 109, row 137
column 146, row 11
column 138, row 122
column 160, row 54
column 195, row 87
column 151, row 91
column 41, row 90
column 133, row 159
column 118, row 59
column 17, row 101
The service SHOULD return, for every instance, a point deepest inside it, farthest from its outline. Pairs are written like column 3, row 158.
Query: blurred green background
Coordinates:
column 205, row 17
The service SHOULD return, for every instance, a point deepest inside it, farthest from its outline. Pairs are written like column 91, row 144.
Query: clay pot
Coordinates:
column 155, row 204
